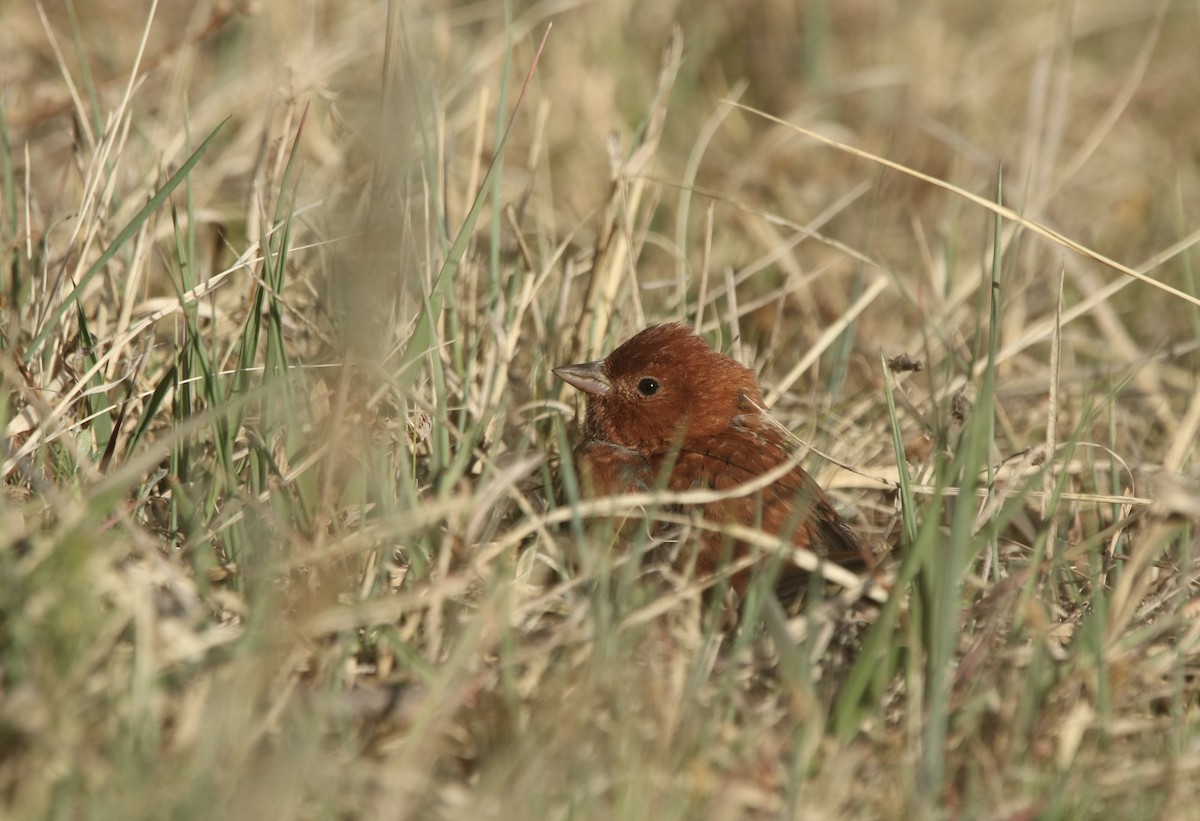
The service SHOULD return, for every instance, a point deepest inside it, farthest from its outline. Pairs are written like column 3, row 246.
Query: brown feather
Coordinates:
column 665, row 400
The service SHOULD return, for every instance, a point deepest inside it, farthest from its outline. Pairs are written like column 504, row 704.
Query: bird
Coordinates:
column 665, row 410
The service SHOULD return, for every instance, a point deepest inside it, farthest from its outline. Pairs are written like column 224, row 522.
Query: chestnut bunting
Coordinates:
column 665, row 401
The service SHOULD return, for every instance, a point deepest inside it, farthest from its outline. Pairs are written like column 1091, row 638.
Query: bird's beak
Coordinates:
column 589, row 377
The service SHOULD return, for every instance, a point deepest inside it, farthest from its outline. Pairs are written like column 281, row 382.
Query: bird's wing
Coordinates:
column 793, row 507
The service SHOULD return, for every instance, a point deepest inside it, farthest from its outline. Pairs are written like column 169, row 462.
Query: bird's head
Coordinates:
column 660, row 387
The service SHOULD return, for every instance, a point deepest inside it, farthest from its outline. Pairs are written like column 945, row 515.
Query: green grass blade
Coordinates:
column 160, row 196
column 421, row 341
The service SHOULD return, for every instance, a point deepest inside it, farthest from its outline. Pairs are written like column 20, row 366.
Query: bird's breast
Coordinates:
column 606, row 469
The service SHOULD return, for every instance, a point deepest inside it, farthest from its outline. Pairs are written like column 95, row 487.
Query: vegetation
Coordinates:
column 287, row 529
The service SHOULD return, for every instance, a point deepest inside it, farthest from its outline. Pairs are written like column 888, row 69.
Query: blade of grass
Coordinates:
column 10, row 240
column 987, row 396
column 423, row 334
column 973, row 454
column 999, row 210
column 94, row 399
column 876, row 663
column 160, row 196
column 908, row 507
column 89, row 86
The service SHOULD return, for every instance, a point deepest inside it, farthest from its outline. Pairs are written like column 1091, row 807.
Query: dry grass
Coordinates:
column 283, row 534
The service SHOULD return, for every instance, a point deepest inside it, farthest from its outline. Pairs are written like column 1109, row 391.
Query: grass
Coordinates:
column 287, row 529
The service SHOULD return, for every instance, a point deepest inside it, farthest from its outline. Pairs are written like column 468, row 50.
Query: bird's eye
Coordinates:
column 648, row 386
